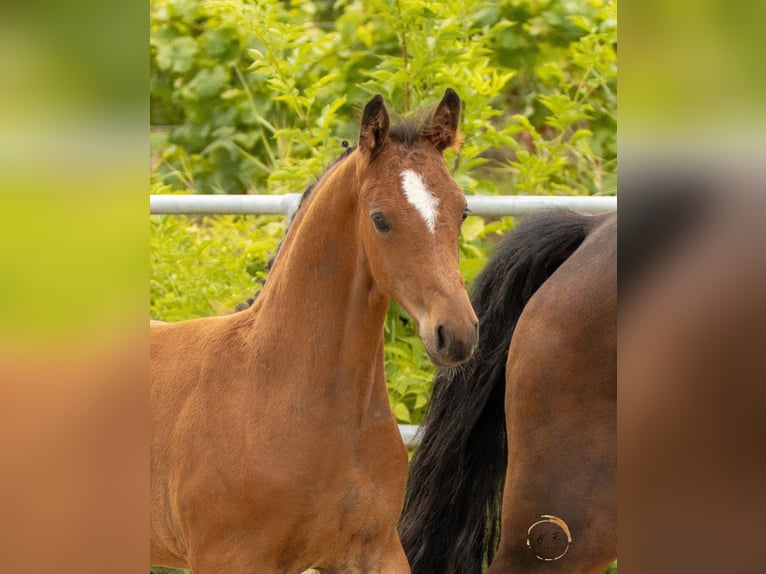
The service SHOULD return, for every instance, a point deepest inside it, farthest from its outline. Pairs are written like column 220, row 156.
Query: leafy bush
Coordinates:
column 257, row 96
column 201, row 266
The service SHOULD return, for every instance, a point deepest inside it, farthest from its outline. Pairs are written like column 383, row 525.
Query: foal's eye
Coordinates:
column 466, row 211
column 381, row 223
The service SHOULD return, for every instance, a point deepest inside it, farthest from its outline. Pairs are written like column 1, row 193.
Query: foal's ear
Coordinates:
column 375, row 124
column 441, row 127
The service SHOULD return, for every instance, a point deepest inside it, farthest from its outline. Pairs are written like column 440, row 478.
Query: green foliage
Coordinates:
column 256, row 97
column 201, row 266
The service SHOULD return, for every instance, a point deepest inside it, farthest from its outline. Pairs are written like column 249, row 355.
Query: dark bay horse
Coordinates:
column 517, row 466
column 274, row 448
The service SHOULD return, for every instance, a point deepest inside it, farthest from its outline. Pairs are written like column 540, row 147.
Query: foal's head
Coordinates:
column 409, row 216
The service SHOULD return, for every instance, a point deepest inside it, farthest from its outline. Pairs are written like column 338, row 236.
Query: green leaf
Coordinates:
column 402, row 413
column 178, row 55
column 421, row 400
column 581, row 22
column 472, row 227
column 209, row 82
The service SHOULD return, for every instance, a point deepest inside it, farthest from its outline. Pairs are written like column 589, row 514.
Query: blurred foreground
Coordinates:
column 691, row 377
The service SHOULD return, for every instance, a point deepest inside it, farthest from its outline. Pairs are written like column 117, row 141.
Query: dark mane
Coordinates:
column 407, row 130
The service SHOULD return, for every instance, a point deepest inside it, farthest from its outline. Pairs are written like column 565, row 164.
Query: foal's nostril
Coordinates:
column 443, row 338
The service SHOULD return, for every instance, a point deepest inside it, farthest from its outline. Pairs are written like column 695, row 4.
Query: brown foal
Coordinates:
column 274, row 448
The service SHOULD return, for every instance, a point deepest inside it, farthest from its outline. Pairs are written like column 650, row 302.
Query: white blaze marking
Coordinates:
column 420, row 197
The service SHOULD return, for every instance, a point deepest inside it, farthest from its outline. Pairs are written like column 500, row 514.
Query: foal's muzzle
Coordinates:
column 450, row 345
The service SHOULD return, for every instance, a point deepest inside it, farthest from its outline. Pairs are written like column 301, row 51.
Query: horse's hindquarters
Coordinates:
column 560, row 500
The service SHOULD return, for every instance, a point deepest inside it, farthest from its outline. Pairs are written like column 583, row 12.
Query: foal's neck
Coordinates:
column 321, row 303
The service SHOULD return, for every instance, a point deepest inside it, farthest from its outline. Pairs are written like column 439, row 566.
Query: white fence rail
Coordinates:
column 485, row 205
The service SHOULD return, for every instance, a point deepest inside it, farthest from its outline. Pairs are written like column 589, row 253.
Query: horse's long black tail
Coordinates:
column 450, row 523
